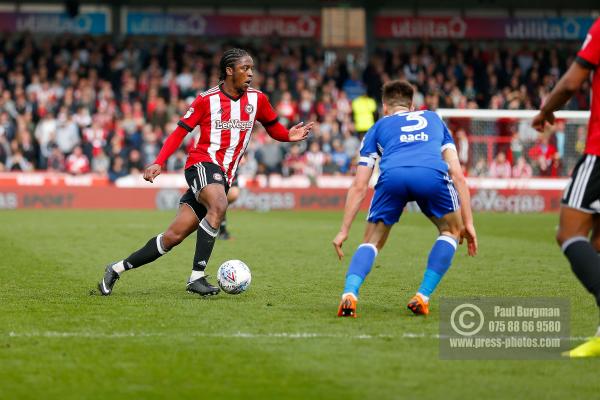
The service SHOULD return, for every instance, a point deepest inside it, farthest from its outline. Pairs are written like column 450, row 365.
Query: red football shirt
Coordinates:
column 589, row 57
column 225, row 127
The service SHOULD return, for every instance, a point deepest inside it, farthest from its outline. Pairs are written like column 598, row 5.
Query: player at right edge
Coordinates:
column 580, row 208
column 418, row 163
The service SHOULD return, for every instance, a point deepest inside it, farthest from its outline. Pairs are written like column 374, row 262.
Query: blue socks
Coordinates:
column 440, row 259
column 360, row 266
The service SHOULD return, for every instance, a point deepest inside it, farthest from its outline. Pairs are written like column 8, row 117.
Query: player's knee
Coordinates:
column 216, row 213
column 564, row 233
column 233, row 195
column 172, row 238
column 452, row 231
column 595, row 241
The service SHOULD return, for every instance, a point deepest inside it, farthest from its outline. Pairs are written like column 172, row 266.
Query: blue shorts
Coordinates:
column 433, row 191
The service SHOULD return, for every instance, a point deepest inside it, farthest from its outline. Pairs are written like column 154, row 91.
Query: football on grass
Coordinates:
column 234, row 276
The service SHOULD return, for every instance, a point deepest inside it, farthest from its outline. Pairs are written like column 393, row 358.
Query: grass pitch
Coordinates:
column 60, row 340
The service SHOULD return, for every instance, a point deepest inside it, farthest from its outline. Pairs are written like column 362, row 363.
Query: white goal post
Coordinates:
column 486, row 115
column 486, row 133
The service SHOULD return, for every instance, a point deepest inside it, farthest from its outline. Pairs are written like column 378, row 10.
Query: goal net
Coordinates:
column 502, row 143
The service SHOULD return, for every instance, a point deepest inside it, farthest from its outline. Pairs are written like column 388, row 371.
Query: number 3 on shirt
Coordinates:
column 415, row 116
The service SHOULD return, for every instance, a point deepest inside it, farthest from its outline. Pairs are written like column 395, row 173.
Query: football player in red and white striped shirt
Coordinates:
column 581, row 200
column 225, row 115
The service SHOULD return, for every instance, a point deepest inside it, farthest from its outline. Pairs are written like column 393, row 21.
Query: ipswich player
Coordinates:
column 580, row 208
column 418, row 162
column 225, row 115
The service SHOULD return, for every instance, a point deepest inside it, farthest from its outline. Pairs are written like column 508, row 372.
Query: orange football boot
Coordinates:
column 418, row 306
column 347, row 306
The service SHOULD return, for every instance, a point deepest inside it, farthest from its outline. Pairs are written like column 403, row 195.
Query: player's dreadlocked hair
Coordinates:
column 229, row 59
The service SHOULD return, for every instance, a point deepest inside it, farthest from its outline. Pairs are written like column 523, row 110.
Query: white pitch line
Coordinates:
column 242, row 335
column 224, row 335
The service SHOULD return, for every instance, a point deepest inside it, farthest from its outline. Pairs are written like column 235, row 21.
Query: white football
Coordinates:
column 234, row 276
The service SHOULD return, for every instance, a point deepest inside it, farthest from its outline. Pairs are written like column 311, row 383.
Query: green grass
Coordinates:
column 60, row 340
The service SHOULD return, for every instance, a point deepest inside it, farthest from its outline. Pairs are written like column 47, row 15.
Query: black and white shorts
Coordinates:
column 198, row 176
column 583, row 190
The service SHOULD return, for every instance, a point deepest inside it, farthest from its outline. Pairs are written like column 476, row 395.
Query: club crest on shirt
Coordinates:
column 189, row 113
column 249, row 108
column 217, row 177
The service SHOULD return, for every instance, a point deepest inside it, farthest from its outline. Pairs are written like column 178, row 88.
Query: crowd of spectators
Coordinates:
column 93, row 104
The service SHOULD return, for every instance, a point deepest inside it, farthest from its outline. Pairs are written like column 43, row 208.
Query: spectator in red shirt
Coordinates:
column 77, row 162
column 522, row 169
column 542, row 155
column 500, row 167
column 294, row 162
column 287, row 108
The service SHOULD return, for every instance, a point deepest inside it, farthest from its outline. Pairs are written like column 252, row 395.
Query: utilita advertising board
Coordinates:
column 196, row 23
column 93, row 23
column 404, row 27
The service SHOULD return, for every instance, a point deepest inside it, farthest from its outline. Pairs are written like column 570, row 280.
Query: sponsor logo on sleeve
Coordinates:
column 189, row 113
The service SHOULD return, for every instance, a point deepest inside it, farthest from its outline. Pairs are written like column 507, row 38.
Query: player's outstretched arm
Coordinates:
column 296, row 133
column 151, row 172
column 267, row 116
column 171, row 144
column 563, row 91
column 455, row 171
column 355, row 197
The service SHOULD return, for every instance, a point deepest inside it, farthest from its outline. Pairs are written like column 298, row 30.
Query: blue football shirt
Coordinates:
column 407, row 139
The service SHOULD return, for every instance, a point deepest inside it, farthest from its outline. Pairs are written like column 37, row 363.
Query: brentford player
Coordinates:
column 225, row 115
column 580, row 208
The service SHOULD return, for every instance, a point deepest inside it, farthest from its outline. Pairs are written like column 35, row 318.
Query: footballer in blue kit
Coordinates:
column 418, row 162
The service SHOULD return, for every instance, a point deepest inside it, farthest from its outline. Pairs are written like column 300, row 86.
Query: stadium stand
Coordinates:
column 89, row 104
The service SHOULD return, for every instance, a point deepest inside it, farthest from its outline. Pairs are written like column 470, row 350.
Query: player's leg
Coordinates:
column 232, row 196
column 572, row 237
column 364, row 257
column 182, row 226
column 576, row 220
column 595, row 238
column 438, row 200
column 361, row 265
column 386, row 208
column 439, row 260
column 210, row 193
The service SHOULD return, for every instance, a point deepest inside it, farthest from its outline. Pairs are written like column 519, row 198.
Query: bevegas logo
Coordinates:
column 234, row 124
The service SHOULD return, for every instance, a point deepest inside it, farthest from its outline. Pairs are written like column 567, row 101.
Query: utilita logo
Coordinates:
column 285, row 27
column 543, row 29
column 433, row 28
column 234, row 124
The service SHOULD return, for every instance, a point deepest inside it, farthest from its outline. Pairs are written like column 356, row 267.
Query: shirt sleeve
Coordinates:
column 369, row 152
column 171, row 144
column 193, row 114
column 265, row 114
column 447, row 141
column 589, row 55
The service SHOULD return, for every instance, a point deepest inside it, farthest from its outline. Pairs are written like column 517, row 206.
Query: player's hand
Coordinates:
column 339, row 239
column 151, row 172
column 469, row 233
column 300, row 131
column 541, row 119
